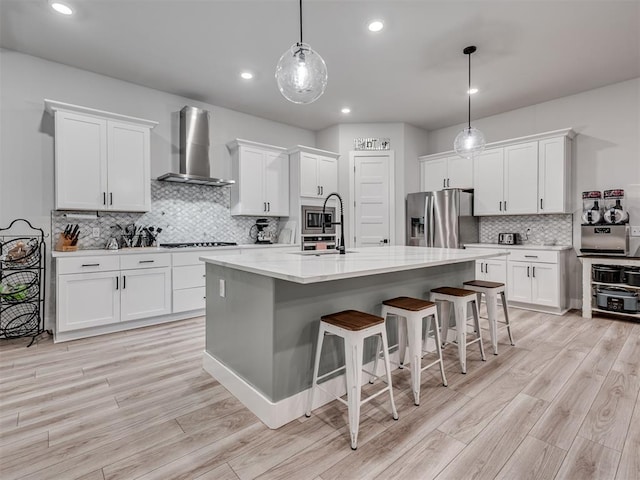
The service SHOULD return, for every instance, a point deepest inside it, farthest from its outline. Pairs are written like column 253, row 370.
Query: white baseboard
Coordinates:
column 276, row 414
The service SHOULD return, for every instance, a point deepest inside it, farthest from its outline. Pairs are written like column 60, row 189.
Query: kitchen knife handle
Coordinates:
column 533, row 271
column 104, row 198
column 90, row 264
column 528, row 268
column 110, row 198
column 124, row 282
column 117, row 283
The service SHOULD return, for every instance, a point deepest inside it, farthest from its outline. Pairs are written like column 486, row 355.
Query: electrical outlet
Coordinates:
column 223, row 290
column 95, row 232
column 635, row 231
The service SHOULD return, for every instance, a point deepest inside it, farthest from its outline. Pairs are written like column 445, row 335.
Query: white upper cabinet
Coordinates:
column 439, row 172
column 102, row 159
column 316, row 171
column 262, row 174
column 524, row 176
column 554, row 175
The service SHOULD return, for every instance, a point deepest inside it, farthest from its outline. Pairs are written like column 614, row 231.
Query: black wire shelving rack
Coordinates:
column 22, row 281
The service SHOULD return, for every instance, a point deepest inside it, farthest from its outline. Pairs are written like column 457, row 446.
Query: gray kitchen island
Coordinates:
column 264, row 308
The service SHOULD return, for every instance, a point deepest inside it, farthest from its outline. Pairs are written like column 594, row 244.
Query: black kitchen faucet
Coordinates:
column 341, row 247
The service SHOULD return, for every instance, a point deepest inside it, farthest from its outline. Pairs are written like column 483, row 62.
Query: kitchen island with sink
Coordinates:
column 264, row 308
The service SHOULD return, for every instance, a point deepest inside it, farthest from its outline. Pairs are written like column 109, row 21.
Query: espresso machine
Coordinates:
column 262, row 235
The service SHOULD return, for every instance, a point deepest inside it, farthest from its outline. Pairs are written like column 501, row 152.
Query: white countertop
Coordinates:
column 138, row 250
column 357, row 262
column 520, row 247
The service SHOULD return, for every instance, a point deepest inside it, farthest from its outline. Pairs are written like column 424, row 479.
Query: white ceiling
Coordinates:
column 413, row 71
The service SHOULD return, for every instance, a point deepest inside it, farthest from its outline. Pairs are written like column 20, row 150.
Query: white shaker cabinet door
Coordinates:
column 309, row 184
column 495, row 271
column 459, row 172
column 87, row 300
column 276, row 181
column 251, row 182
column 128, row 173
column 80, row 162
column 553, row 175
column 521, row 179
column 488, row 179
column 519, row 282
column 327, row 175
column 544, row 284
column 434, row 175
column 145, row 293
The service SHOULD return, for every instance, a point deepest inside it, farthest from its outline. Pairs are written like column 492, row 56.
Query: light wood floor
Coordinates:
column 562, row 404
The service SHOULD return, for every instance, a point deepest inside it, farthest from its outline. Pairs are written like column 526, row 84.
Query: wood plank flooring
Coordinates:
column 562, row 404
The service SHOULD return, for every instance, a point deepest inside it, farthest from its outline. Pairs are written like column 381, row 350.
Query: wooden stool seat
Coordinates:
column 453, row 291
column 483, row 284
column 352, row 320
column 353, row 327
column 460, row 299
column 410, row 313
column 408, row 303
column 491, row 290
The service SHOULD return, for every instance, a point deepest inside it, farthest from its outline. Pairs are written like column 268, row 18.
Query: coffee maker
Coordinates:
column 262, row 236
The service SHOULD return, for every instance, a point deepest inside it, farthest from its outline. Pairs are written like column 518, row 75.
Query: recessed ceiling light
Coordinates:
column 247, row 75
column 346, row 110
column 376, row 26
column 62, row 8
column 471, row 91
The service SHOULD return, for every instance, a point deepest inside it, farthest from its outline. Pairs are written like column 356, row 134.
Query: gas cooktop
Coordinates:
column 197, row 244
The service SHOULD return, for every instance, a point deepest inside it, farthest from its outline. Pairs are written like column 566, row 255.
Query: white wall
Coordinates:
column 26, row 131
column 606, row 149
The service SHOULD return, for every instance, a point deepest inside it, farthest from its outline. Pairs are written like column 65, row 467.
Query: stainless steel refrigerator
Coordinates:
column 441, row 219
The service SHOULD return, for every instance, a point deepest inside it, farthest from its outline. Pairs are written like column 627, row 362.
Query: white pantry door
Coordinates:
column 372, row 193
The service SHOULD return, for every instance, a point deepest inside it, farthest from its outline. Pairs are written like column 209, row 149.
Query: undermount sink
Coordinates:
column 320, row 253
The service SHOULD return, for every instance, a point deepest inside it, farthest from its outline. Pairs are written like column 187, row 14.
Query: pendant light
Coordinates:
column 301, row 73
column 470, row 141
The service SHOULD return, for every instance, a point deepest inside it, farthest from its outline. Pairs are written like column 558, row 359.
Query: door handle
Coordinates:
column 541, row 204
column 117, row 283
column 268, row 206
column 110, row 198
column 533, row 271
column 505, row 205
column 528, row 271
column 481, row 268
column 146, row 261
column 264, row 206
column 104, row 198
column 321, row 189
column 90, row 264
column 318, row 189
column 500, row 206
column 531, row 256
column 448, row 182
column 444, row 182
column 124, row 282
column 486, row 268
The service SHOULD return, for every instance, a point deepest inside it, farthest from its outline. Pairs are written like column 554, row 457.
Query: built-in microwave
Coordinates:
column 312, row 220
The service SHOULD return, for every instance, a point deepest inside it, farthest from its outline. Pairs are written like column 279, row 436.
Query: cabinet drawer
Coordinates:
column 189, row 276
column 541, row 256
column 193, row 258
column 145, row 260
column 189, row 299
column 87, row 264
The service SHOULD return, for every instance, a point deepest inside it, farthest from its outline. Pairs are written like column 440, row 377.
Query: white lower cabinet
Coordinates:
column 87, row 300
column 491, row 270
column 535, row 283
column 145, row 292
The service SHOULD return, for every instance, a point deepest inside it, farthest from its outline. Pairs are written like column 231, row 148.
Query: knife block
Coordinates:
column 64, row 244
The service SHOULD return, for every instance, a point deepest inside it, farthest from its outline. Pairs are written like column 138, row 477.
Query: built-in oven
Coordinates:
column 313, row 220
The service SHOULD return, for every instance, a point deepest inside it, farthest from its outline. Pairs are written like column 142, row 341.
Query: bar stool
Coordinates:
column 491, row 290
column 460, row 298
column 410, row 312
column 353, row 326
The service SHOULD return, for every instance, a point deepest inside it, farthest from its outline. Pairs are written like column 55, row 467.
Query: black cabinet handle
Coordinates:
column 321, row 190
column 505, row 205
column 110, row 198
column 528, row 271
column 500, row 206
column 90, row 264
column 444, row 182
column 486, row 268
column 533, row 271
column 448, row 182
column 146, row 261
column 117, row 282
column 531, row 256
column 104, row 198
column 124, row 282
column 541, row 204
column 268, row 206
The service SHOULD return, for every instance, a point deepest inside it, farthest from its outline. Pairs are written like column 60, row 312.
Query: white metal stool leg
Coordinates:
column 461, row 332
column 436, row 330
column 353, row 360
column 476, row 319
column 492, row 314
column 387, row 364
column 316, row 367
column 506, row 316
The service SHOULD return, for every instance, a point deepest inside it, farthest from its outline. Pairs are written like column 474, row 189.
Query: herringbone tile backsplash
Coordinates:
column 545, row 229
column 186, row 213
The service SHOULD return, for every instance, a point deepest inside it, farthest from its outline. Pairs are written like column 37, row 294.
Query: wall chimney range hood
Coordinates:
column 194, row 151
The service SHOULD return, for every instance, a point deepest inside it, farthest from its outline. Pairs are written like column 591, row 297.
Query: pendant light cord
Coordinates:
column 300, row 22
column 468, row 91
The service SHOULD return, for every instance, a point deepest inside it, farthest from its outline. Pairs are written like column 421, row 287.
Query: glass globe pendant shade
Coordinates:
column 469, row 143
column 301, row 74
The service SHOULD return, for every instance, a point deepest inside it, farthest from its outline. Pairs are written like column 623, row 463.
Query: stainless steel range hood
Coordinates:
column 194, row 151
